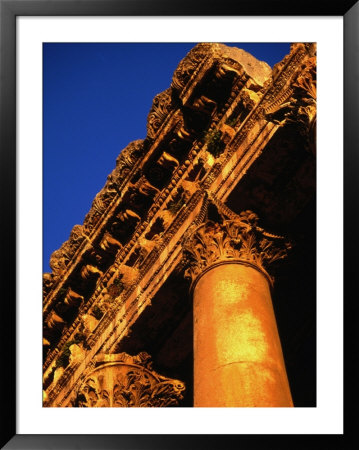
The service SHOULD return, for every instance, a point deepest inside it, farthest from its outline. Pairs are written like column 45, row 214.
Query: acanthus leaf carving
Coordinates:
column 239, row 239
column 307, row 78
column 121, row 380
column 60, row 258
column 189, row 64
column 161, row 107
column 129, row 155
column 298, row 104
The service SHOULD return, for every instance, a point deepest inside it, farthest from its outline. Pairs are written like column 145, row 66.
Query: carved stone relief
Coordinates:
column 298, row 103
column 122, row 380
column 188, row 65
column 233, row 239
column 161, row 107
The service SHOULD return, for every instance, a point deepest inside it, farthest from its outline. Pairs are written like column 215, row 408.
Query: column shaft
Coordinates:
column 238, row 358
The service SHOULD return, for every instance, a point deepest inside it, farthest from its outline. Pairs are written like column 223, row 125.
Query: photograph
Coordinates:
column 179, row 224
column 177, row 182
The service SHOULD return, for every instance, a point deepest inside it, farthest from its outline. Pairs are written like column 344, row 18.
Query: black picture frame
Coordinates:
column 9, row 10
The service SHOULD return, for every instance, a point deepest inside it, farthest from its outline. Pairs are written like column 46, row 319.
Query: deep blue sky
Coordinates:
column 96, row 98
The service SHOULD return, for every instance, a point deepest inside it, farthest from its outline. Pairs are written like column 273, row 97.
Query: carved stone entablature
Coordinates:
column 204, row 104
column 47, row 282
column 89, row 271
column 307, row 78
column 297, row 103
column 54, row 321
column 145, row 188
column 72, row 298
column 61, row 257
column 118, row 186
column 161, row 107
column 306, row 83
column 229, row 59
column 224, row 71
column 109, row 243
column 121, row 380
column 189, row 64
column 128, row 157
column 237, row 239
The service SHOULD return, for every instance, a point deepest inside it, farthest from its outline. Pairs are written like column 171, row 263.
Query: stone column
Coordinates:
column 238, row 359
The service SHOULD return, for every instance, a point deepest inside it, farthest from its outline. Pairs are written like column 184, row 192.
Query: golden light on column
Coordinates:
column 238, row 358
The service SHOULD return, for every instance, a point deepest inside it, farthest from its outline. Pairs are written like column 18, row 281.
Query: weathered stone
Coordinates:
column 259, row 71
column 226, row 124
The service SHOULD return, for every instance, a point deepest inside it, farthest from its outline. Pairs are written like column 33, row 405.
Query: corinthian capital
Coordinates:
column 121, row 380
column 238, row 240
